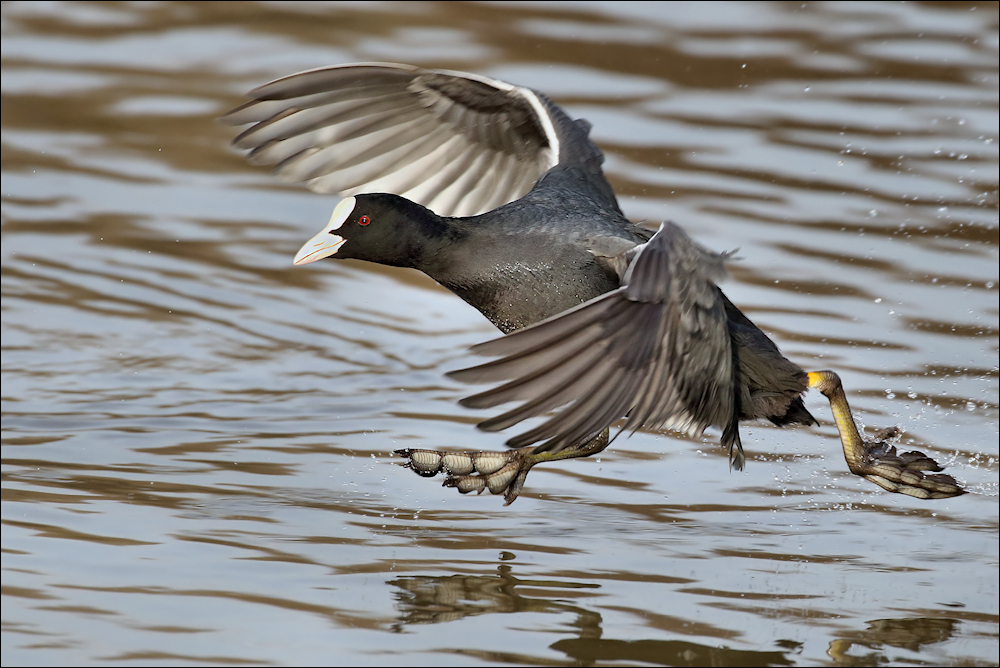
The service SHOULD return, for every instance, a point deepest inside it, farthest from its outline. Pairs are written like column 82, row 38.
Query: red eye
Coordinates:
column 364, row 220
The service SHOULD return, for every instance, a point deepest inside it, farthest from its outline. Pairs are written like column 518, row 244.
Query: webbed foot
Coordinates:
column 501, row 472
column 877, row 461
column 905, row 472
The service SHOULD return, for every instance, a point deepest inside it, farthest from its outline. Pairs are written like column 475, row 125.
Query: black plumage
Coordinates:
column 494, row 192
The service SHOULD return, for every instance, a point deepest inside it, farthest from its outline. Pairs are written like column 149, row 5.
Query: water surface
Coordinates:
column 197, row 436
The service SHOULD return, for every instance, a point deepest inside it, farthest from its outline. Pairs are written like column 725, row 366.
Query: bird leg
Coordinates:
column 878, row 461
column 501, row 472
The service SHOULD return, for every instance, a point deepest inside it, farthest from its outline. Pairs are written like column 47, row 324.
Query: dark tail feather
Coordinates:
column 796, row 414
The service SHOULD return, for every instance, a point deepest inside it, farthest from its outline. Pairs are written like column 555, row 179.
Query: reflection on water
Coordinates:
column 665, row 652
column 197, row 437
column 861, row 648
column 436, row 600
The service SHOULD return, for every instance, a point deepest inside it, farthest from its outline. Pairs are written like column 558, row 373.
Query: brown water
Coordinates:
column 197, row 436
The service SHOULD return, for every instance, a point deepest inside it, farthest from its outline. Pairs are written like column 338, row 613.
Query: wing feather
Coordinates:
column 460, row 144
column 656, row 350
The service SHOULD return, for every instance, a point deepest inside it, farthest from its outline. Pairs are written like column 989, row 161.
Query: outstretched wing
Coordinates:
column 460, row 144
column 656, row 350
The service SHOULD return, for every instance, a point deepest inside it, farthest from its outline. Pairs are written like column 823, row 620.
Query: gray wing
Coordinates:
column 656, row 350
column 460, row 144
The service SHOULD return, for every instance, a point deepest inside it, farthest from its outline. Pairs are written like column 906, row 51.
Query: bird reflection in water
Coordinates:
column 437, row 600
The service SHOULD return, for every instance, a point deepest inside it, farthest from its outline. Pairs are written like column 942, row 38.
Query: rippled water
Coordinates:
column 197, row 437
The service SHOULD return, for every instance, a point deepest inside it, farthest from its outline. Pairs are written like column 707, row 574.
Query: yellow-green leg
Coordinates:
column 878, row 461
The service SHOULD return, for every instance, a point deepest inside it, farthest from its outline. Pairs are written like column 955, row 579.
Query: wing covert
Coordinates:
column 657, row 351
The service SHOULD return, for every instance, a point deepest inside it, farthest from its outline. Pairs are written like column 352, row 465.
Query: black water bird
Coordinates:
column 497, row 194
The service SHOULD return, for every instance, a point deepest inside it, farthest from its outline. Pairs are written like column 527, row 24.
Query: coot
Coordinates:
column 497, row 194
